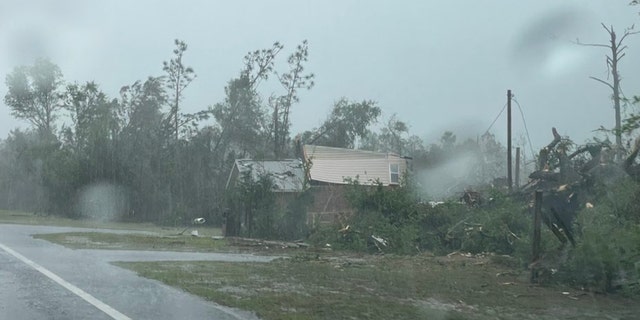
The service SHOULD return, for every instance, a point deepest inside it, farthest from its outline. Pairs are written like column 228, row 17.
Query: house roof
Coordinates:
column 334, row 165
column 287, row 175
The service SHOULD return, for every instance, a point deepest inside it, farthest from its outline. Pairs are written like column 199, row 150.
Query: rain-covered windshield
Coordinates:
column 319, row 160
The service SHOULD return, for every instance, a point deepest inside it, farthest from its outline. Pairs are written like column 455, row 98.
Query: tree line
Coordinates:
column 173, row 165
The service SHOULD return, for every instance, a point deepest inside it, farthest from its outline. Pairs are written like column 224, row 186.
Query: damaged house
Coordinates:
column 330, row 170
column 287, row 175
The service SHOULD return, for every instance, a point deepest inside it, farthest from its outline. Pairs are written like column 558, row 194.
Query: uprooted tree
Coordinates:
column 573, row 180
column 590, row 181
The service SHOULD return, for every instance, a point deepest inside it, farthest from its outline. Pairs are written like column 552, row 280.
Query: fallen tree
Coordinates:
column 589, row 181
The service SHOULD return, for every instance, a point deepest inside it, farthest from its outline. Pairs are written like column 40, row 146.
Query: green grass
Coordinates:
column 16, row 217
column 100, row 240
column 319, row 285
column 382, row 287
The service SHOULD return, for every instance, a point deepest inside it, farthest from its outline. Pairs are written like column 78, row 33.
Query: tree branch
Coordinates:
column 622, row 56
column 603, row 82
column 626, row 34
column 594, row 45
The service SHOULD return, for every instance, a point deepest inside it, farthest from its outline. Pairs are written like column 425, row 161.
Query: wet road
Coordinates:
column 41, row 280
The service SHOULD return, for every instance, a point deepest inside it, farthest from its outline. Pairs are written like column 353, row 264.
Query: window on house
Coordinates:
column 394, row 173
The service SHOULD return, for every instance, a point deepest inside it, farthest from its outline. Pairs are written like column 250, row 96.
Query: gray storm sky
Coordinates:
column 439, row 65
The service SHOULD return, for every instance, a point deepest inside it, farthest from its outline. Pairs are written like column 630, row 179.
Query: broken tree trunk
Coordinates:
column 629, row 165
column 543, row 159
column 595, row 151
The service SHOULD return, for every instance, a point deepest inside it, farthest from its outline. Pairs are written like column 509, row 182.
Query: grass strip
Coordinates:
column 100, row 240
column 17, row 217
column 387, row 287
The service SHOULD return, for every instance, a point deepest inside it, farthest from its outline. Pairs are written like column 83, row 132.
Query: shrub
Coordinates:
column 409, row 226
column 255, row 210
column 607, row 255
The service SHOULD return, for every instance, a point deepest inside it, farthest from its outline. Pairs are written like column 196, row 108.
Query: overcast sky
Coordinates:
column 439, row 65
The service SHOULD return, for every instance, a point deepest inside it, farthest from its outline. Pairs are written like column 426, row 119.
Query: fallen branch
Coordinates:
column 259, row 243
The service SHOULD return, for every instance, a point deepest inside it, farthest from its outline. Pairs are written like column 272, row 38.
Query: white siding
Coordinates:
column 334, row 165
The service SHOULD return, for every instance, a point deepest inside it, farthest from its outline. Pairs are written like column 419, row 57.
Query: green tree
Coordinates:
column 448, row 140
column 241, row 128
column 255, row 202
column 392, row 136
column 240, row 117
column 93, row 115
column 347, row 122
column 93, row 138
column 33, row 94
column 142, row 152
column 21, row 168
column 493, row 158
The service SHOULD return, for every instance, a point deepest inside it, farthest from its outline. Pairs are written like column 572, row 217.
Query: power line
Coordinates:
column 496, row 119
column 533, row 154
column 525, row 128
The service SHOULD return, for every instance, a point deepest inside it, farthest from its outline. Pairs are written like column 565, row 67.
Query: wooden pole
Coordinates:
column 537, row 222
column 517, row 183
column 509, row 171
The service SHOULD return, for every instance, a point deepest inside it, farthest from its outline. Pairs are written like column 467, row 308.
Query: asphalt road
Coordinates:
column 41, row 280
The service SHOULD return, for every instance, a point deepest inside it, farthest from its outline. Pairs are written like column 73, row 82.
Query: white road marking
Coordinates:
column 113, row 313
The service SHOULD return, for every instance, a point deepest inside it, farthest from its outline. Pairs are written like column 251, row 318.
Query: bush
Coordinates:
column 607, row 255
column 409, row 226
column 292, row 224
column 255, row 210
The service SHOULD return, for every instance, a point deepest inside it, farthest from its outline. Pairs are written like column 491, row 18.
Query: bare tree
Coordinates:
column 617, row 49
column 179, row 77
column 291, row 81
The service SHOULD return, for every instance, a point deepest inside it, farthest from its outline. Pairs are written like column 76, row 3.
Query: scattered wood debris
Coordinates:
column 250, row 242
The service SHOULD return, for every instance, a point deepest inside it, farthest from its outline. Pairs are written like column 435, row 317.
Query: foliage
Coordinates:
column 410, row 226
column 241, row 118
column 347, row 122
column 172, row 169
column 394, row 137
column 33, row 94
column 293, row 223
column 607, row 255
column 257, row 211
column 254, row 205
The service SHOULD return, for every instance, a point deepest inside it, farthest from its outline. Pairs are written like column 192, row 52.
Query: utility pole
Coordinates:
column 509, row 171
column 517, row 183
